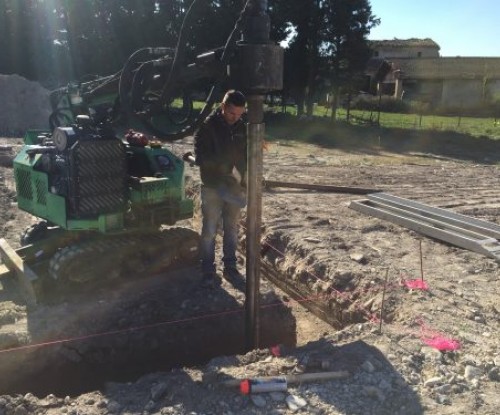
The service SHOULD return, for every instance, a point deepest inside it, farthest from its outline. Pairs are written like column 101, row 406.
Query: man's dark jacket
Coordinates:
column 218, row 148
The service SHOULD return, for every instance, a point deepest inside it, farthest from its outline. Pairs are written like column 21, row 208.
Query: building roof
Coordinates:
column 405, row 43
column 447, row 68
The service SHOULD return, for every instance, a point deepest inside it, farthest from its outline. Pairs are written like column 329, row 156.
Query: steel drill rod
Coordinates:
column 255, row 133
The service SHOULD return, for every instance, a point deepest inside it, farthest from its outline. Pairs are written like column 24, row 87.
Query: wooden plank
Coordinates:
column 4, row 271
column 319, row 187
column 25, row 274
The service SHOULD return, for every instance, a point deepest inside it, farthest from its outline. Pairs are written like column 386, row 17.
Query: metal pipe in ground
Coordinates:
column 255, row 133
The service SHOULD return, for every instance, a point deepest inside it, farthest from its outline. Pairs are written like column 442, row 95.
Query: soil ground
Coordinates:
column 328, row 246
column 334, row 256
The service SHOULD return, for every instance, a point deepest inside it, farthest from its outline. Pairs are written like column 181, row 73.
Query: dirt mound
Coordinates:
column 24, row 105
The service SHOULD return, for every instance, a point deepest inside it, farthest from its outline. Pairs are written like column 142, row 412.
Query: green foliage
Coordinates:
column 329, row 47
column 374, row 103
column 55, row 41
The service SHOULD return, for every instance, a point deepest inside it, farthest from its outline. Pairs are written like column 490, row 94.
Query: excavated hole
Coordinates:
column 147, row 326
column 160, row 323
column 339, row 297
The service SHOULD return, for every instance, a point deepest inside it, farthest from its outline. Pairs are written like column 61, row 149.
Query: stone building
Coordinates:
column 418, row 73
column 405, row 48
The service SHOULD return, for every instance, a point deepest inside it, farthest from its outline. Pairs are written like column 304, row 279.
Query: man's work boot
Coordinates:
column 234, row 277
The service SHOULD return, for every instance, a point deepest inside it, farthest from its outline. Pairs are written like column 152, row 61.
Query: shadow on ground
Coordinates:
column 127, row 329
column 373, row 386
column 378, row 387
column 374, row 140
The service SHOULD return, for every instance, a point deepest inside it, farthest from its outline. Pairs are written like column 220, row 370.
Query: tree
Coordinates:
column 57, row 41
column 328, row 46
column 347, row 50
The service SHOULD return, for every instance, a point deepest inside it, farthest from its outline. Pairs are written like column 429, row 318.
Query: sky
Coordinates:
column 459, row 27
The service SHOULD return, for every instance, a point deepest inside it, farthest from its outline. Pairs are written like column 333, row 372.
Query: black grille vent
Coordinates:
column 23, row 182
column 41, row 192
column 98, row 177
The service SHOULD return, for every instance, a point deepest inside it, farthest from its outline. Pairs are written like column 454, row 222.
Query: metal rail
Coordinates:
column 319, row 187
column 459, row 230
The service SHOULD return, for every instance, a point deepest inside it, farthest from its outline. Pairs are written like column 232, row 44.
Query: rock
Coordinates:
column 258, row 400
column 443, row 400
column 89, row 401
column 21, row 410
column 494, row 374
column 479, row 319
column 472, row 372
column 358, row 257
column 496, row 360
column 295, row 402
column 312, row 239
column 430, row 383
column 150, row 406
column 367, row 366
column 443, row 389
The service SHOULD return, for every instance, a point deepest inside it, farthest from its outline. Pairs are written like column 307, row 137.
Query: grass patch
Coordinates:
column 478, row 127
column 375, row 139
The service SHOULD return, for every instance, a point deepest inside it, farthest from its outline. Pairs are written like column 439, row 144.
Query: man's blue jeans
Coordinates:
column 213, row 209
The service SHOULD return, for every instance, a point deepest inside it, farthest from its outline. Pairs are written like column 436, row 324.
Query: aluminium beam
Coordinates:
column 443, row 215
column 458, row 232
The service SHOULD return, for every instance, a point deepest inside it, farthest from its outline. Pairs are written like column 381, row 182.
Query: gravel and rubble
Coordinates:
column 386, row 379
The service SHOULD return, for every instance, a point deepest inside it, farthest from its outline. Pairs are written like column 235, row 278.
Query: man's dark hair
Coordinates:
column 235, row 98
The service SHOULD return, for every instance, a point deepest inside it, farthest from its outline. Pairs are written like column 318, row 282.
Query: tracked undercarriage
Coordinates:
column 64, row 264
column 123, row 255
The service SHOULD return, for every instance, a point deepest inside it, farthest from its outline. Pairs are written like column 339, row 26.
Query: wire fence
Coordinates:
column 475, row 126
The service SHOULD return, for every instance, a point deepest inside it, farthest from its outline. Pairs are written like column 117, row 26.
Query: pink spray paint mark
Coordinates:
column 442, row 344
column 437, row 340
column 416, row 285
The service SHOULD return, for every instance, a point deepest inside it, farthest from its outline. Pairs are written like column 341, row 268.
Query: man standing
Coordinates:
column 220, row 147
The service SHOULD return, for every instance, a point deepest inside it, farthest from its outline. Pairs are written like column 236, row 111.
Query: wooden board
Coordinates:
column 24, row 273
column 4, row 271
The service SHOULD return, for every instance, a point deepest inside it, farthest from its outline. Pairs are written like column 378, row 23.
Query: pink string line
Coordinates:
column 434, row 340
